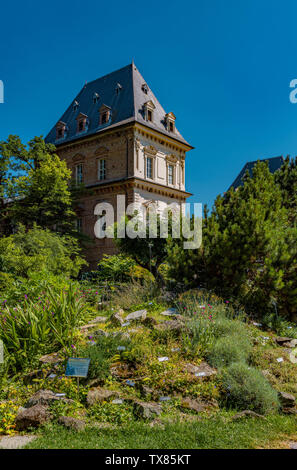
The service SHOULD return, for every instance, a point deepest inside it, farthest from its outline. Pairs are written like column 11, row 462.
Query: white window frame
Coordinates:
column 101, row 169
column 151, row 160
column 170, row 174
column 79, row 173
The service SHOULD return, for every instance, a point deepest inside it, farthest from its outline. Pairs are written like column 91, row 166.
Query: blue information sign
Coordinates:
column 77, row 367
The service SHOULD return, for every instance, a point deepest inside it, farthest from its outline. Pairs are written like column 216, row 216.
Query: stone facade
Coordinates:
column 125, row 152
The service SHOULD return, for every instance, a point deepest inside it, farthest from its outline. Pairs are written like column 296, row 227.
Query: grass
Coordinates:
column 219, row 432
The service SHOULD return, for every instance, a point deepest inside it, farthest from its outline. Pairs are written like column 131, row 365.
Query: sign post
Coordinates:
column 77, row 367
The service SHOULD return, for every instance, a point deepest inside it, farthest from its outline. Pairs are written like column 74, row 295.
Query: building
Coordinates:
column 273, row 163
column 117, row 139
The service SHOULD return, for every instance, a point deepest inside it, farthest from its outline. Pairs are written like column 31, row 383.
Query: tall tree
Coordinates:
column 39, row 185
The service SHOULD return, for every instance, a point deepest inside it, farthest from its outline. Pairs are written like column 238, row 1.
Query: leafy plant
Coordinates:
column 229, row 349
column 246, row 388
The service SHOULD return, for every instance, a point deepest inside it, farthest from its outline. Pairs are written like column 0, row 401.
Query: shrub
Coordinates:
column 115, row 268
column 101, row 355
column 246, row 388
column 112, row 413
column 134, row 293
column 38, row 250
column 229, row 349
column 224, row 327
column 41, row 326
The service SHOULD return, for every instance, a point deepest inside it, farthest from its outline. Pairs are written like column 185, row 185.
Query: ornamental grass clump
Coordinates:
column 246, row 388
column 229, row 349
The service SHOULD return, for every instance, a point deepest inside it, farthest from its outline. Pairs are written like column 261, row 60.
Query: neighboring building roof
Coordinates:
column 127, row 105
column 274, row 164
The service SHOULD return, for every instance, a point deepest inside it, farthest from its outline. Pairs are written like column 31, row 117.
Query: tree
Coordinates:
column 249, row 252
column 286, row 178
column 38, row 185
column 39, row 251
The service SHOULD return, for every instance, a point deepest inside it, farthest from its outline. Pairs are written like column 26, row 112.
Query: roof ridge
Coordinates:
column 107, row 75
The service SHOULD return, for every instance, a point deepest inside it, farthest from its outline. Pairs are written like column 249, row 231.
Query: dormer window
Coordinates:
column 96, row 98
column 60, row 130
column 170, row 122
column 105, row 113
column 149, row 111
column 75, row 105
column 118, row 88
column 145, row 88
column 82, row 123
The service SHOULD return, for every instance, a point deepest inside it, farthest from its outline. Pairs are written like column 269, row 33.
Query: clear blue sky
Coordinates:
column 222, row 66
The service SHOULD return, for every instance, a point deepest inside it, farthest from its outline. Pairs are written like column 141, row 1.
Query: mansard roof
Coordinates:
column 274, row 164
column 125, row 92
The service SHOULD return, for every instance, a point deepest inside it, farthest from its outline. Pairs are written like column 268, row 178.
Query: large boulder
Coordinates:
column 193, row 405
column 72, row 423
column 169, row 312
column 32, row 417
column 45, row 397
column 146, row 410
column 99, row 394
column 284, row 341
column 117, row 319
column 138, row 315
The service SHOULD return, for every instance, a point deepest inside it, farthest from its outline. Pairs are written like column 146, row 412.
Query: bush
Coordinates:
column 115, row 268
column 38, row 250
column 225, row 327
column 101, row 355
column 246, row 388
column 229, row 349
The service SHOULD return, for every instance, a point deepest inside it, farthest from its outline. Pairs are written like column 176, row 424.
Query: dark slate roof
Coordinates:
column 274, row 164
column 126, row 106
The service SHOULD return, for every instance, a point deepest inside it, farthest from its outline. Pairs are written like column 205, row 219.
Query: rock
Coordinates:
column 147, row 410
column 293, row 445
column 281, row 340
column 99, row 394
column 45, row 397
column 36, row 374
column 247, row 414
column 202, row 370
column 15, row 442
column 32, row 417
column 287, row 399
column 290, row 344
column 169, row 312
column 51, row 358
column 72, row 423
column 171, row 325
column 289, row 411
column 116, row 319
column 138, row 315
column 148, row 392
column 99, row 320
column 150, row 322
column 194, row 405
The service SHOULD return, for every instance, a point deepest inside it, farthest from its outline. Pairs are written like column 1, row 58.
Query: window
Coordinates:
column 75, row 105
column 144, row 88
column 170, row 174
column 104, row 118
column 81, row 126
column 171, row 126
column 149, row 167
column 79, row 173
column 61, row 130
column 149, row 111
column 118, row 88
column 149, row 115
column 101, row 169
column 78, row 225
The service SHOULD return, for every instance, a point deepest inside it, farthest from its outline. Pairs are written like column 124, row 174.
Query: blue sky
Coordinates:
column 222, row 66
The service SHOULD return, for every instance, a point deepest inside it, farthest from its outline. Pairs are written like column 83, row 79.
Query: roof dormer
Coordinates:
column 149, row 108
column 105, row 114
column 170, row 122
column 82, row 123
column 61, row 128
column 96, row 98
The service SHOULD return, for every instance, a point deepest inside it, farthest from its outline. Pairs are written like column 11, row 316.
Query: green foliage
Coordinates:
column 249, row 248
column 38, row 183
column 41, row 326
column 246, row 388
column 38, row 250
column 101, row 354
column 116, row 268
column 229, row 349
column 130, row 295
column 112, row 413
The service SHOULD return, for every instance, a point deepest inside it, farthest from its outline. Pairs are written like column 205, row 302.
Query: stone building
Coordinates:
column 117, row 139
